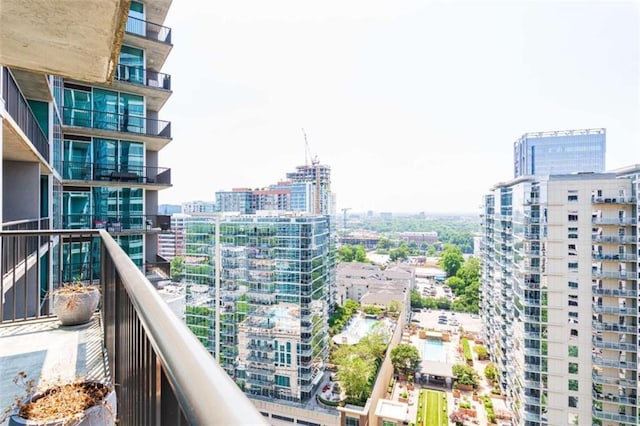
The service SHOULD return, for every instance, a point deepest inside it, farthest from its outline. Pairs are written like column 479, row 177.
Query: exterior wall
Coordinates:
column 315, row 416
column 21, row 182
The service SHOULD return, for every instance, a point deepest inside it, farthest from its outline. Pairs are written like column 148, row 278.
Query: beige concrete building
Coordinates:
column 559, row 296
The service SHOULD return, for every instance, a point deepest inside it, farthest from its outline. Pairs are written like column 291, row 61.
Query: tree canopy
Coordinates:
column 405, row 359
column 351, row 253
column 451, row 259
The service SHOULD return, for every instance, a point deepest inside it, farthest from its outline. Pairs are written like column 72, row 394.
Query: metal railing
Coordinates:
column 163, row 374
column 116, row 172
column 21, row 112
column 148, row 30
column 140, row 75
column 117, row 223
column 115, row 122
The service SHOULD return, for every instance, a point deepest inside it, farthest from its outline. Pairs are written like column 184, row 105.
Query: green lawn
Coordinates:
column 434, row 412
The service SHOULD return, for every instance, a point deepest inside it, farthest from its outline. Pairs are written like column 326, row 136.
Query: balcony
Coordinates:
column 614, row 238
column 153, row 38
column 23, row 139
column 155, row 86
column 160, row 369
column 602, row 326
column 613, row 221
column 614, row 292
column 619, row 346
column 118, row 224
column 612, row 380
column 613, row 200
column 620, row 418
column 624, row 257
column 620, row 275
column 116, row 175
column 156, row 133
column 617, row 310
column 613, row 363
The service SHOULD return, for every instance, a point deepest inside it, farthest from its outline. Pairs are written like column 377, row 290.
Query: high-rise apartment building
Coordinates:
column 81, row 146
column 198, row 207
column 111, row 135
column 560, row 296
column 559, row 152
column 274, row 273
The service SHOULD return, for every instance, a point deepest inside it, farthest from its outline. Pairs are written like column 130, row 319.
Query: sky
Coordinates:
column 414, row 105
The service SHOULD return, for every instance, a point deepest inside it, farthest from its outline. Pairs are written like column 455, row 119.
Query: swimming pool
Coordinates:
column 362, row 326
column 433, row 350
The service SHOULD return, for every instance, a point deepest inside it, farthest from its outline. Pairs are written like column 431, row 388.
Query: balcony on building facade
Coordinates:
column 159, row 368
column 613, row 221
column 613, row 200
column 613, row 363
column 15, row 145
column 617, row 257
column 614, row 292
column 620, row 418
column 155, row 39
column 614, row 327
column 614, row 238
column 113, row 223
column 119, row 174
column 616, row 310
column 619, row 346
column 612, row 380
column 110, row 123
column 153, row 85
column 620, row 275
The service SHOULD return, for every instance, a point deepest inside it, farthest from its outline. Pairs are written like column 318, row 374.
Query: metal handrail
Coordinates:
column 116, row 122
column 117, row 223
column 148, row 30
column 19, row 109
column 141, row 75
column 116, row 172
column 202, row 389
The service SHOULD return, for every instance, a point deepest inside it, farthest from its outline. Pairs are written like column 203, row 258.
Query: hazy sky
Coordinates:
column 414, row 104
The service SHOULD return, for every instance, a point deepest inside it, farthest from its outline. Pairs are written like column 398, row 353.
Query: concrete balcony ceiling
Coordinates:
column 77, row 39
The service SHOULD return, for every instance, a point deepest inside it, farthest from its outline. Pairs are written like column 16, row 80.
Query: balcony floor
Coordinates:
column 49, row 353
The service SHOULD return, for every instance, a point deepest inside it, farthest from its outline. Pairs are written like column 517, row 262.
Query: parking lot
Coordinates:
column 466, row 321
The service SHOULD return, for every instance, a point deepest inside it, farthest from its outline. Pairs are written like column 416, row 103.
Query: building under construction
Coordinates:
column 319, row 176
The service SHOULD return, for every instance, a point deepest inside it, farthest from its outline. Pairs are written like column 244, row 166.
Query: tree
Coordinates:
column 465, row 374
column 457, row 284
column 451, row 259
column 383, row 245
column 346, row 253
column 177, row 268
column 405, row 359
column 400, row 253
column 490, row 372
column 360, row 254
column 354, row 374
column 470, row 270
column 416, row 299
column 394, row 307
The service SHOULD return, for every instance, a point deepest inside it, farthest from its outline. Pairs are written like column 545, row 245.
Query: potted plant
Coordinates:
column 75, row 303
column 410, row 382
column 79, row 403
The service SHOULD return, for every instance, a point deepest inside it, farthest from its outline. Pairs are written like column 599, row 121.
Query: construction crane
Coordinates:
column 344, row 217
column 307, row 152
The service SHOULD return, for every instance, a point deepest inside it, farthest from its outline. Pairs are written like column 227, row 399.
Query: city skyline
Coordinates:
column 397, row 98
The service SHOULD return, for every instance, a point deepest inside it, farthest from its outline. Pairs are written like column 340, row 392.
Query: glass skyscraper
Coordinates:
column 559, row 152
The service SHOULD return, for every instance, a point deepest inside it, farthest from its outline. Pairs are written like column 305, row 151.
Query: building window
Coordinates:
column 573, row 401
column 572, row 195
column 573, row 233
column 573, row 351
column 352, row 421
column 573, row 265
column 573, row 368
column 573, row 300
column 573, row 217
column 573, row 385
column 573, row 284
column 283, row 418
column 571, row 249
column 574, row 332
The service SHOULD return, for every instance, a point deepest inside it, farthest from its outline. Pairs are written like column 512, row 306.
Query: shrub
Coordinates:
column 481, row 351
column 466, row 350
column 490, row 372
